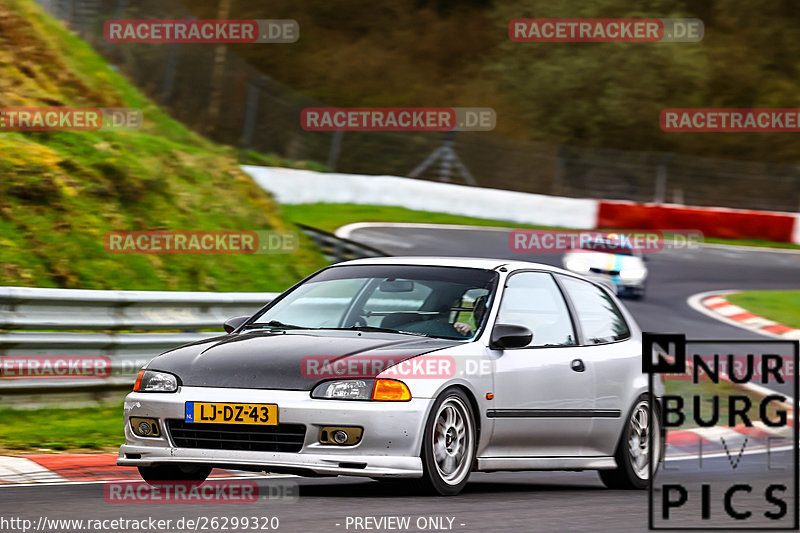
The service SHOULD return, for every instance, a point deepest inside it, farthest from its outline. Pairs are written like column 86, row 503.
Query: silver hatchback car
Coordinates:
column 424, row 369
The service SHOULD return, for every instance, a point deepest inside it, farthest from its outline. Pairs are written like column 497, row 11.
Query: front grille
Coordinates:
column 280, row 438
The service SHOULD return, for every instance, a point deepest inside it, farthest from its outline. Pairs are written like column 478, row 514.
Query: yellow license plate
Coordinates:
column 265, row 414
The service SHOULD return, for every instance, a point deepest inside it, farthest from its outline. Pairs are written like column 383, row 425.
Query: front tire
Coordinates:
column 448, row 444
column 155, row 475
column 633, row 453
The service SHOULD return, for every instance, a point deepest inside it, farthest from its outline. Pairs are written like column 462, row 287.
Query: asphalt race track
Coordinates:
column 520, row 502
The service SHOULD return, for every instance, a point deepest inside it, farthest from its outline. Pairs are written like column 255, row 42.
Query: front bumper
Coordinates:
column 390, row 445
column 621, row 285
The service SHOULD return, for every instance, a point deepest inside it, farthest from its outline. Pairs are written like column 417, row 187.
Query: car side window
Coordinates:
column 533, row 300
column 600, row 319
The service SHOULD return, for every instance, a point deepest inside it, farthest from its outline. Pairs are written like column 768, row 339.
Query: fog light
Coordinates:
column 340, row 435
column 145, row 427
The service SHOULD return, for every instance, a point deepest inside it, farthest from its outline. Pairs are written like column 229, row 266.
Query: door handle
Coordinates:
column 577, row 365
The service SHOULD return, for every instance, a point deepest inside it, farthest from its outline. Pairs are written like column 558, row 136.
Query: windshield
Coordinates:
column 445, row 302
column 611, row 247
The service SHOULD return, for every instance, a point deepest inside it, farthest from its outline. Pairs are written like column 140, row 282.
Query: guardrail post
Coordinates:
column 336, row 146
column 169, row 73
column 660, row 192
column 251, row 113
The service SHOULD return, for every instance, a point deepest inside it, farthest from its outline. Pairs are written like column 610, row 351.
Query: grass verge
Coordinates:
column 70, row 429
column 329, row 217
column 781, row 306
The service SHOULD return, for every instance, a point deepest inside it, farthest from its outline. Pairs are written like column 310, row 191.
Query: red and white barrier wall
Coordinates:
column 291, row 186
column 712, row 221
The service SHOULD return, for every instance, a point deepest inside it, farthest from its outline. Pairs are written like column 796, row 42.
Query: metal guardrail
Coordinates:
column 25, row 308
column 100, row 321
column 126, row 352
column 336, row 249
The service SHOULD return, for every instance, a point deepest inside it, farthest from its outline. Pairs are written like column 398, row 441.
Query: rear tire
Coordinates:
column 633, row 453
column 155, row 475
column 448, row 445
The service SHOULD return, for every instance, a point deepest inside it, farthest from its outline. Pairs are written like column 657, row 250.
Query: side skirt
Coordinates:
column 486, row 464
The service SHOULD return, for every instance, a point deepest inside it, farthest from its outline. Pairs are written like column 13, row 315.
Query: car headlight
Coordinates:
column 577, row 264
column 154, row 381
column 351, row 389
column 382, row 390
column 632, row 273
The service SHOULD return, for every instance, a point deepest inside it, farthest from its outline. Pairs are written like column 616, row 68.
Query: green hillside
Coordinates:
column 60, row 192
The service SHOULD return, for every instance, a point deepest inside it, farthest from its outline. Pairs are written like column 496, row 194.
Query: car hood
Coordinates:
column 277, row 360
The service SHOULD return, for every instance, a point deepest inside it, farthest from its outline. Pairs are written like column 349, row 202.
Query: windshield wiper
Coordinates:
column 380, row 330
column 275, row 324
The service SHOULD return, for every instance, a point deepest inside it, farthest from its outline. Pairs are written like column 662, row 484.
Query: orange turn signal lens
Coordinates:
column 138, row 383
column 390, row 390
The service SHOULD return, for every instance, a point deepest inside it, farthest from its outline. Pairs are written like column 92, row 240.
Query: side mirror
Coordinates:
column 232, row 323
column 510, row 336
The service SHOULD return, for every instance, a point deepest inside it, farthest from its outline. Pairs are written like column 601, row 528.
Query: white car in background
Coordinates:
column 608, row 259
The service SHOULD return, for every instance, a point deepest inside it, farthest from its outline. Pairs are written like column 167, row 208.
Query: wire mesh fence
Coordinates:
column 259, row 113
